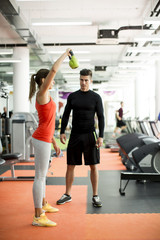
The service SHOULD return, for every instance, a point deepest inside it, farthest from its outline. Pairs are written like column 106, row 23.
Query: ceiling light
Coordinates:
column 152, row 38
column 60, row 22
column 131, row 65
column 34, row 0
column 6, row 51
column 11, row 73
column 122, row 77
column 134, row 59
column 143, row 49
column 152, row 20
column 75, row 52
column 71, row 76
column 9, row 60
column 32, row 72
column 121, row 71
column 118, row 84
column 69, row 71
column 79, row 60
column 73, row 82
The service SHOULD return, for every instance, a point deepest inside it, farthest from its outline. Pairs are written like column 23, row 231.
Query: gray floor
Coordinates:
column 139, row 198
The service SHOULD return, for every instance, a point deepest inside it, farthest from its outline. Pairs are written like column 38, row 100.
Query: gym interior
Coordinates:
column 120, row 42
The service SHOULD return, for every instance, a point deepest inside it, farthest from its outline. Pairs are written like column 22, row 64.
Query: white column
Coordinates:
column 145, row 93
column 138, row 95
column 21, row 80
column 157, row 89
column 55, row 96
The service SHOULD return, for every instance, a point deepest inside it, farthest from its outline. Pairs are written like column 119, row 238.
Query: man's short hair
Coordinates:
column 86, row 72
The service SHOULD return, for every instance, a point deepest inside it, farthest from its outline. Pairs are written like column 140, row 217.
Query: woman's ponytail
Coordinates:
column 32, row 87
column 37, row 79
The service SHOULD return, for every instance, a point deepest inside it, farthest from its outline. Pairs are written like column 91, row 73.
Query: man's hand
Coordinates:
column 99, row 142
column 63, row 138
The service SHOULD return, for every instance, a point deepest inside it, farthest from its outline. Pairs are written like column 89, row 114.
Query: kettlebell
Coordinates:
column 73, row 63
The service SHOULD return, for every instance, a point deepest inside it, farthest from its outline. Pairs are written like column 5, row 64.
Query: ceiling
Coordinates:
column 117, row 44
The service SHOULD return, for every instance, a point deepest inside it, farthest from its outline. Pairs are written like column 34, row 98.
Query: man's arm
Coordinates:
column 100, row 116
column 65, row 119
column 117, row 115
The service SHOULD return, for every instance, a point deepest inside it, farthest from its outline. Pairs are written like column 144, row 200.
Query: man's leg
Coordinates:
column 69, row 178
column 116, row 129
column 94, row 179
column 123, row 127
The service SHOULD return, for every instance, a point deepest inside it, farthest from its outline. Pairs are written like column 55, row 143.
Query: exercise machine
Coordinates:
column 7, row 159
column 142, row 152
column 127, row 176
column 132, row 142
column 23, row 126
column 20, row 128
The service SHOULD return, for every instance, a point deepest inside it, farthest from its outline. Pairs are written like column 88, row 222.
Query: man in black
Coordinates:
column 84, row 104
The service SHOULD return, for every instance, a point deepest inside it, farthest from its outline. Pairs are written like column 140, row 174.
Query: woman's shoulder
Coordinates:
column 42, row 98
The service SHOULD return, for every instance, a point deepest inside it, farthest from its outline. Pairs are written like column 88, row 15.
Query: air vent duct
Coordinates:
column 100, row 68
column 107, row 36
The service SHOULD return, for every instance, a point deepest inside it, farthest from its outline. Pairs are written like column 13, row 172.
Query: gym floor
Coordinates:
column 135, row 216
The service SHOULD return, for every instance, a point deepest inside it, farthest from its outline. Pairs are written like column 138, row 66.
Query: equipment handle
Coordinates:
column 71, row 52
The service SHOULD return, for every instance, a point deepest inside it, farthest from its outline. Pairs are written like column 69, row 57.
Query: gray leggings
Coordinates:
column 42, row 152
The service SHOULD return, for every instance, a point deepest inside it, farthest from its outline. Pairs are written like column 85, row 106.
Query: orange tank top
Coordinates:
column 46, row 126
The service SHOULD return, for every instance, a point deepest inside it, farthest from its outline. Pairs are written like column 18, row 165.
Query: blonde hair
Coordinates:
column 37, row 78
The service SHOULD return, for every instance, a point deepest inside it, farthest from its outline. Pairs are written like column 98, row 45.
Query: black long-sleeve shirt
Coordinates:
column 84, row 106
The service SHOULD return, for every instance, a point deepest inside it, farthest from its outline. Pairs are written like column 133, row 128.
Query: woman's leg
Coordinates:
column 42, row 156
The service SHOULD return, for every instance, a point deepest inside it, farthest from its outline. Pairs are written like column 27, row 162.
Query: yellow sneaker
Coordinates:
column 43, row 221
column 49, row 209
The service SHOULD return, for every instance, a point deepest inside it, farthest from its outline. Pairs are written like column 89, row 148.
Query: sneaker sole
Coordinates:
column 95, row 205
column 48, row 211
column 64, row 202
column 41, row 225
column 51, row 210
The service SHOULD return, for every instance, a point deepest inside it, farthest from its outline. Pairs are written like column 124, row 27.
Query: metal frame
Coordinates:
column 11, row 163
column 136, row 176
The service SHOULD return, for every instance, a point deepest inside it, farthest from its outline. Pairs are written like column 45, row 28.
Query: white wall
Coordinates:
column 145, row 94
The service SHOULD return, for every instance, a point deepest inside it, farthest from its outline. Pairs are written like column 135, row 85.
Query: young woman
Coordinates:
column 43, row 137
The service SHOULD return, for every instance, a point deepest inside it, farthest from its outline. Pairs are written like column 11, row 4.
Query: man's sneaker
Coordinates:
column 96, row 201
column 64, row 199
column 49, row 209
column 43, row 221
